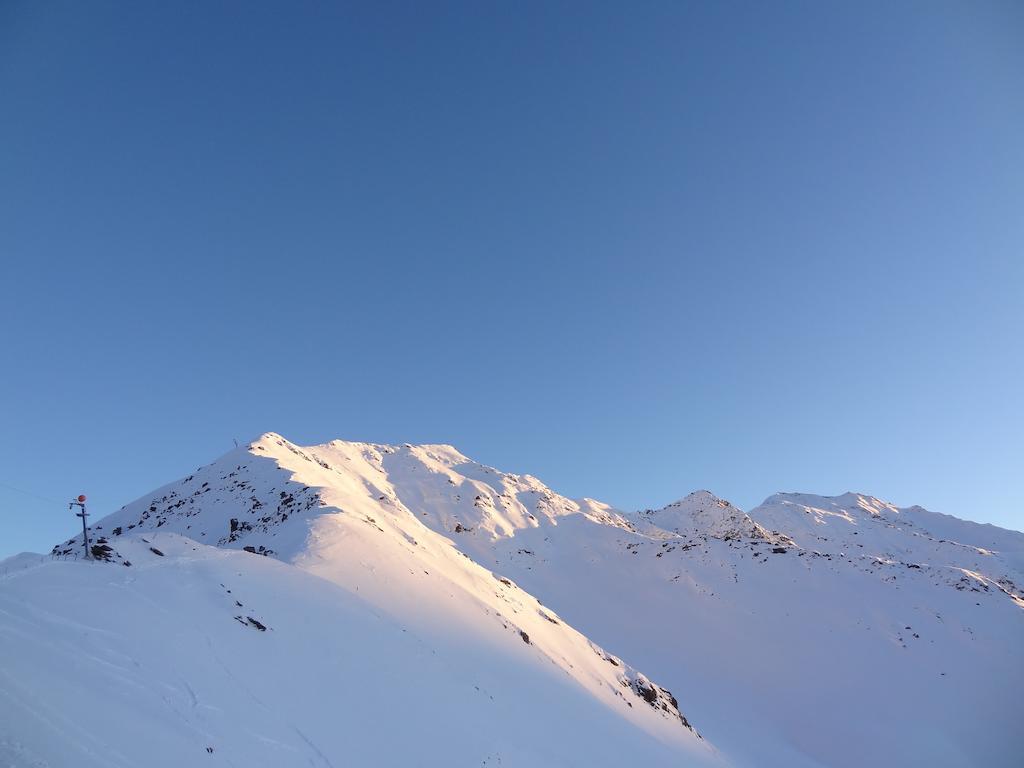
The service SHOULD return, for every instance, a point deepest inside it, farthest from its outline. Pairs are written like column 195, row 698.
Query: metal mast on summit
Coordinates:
column 80, row 502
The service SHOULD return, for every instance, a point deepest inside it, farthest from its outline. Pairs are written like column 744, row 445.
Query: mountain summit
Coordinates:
column 290, row 605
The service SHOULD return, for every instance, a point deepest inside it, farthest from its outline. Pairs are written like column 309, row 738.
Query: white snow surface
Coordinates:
column 364, row 638
column 404, row 605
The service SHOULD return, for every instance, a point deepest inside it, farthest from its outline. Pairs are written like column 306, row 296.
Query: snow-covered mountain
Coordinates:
column 354, row 604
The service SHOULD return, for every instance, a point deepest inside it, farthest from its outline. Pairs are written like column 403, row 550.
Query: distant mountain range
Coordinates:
column 355, row 604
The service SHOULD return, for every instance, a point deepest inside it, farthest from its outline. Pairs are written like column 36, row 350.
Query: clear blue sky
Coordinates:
column 634, row 249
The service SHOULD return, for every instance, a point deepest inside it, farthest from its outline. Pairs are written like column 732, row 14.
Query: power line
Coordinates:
column 29, row 493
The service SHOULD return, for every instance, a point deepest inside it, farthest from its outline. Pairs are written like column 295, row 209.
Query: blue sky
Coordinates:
column 634, row 249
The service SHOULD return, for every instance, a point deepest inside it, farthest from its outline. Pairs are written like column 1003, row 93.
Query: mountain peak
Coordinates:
column 267, row 438
column 702, row 512
column 849, row 506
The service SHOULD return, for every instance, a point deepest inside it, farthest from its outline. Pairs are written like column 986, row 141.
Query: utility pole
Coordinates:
column 80, row 502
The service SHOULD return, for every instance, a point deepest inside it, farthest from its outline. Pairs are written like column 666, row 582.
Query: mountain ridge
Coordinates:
column 455, row 550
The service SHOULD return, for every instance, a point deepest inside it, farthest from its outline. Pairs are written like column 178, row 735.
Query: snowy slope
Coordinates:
column 779, row 645
column 811, row 631
column 364, row 637
column 968, row 555
column 838, row 639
